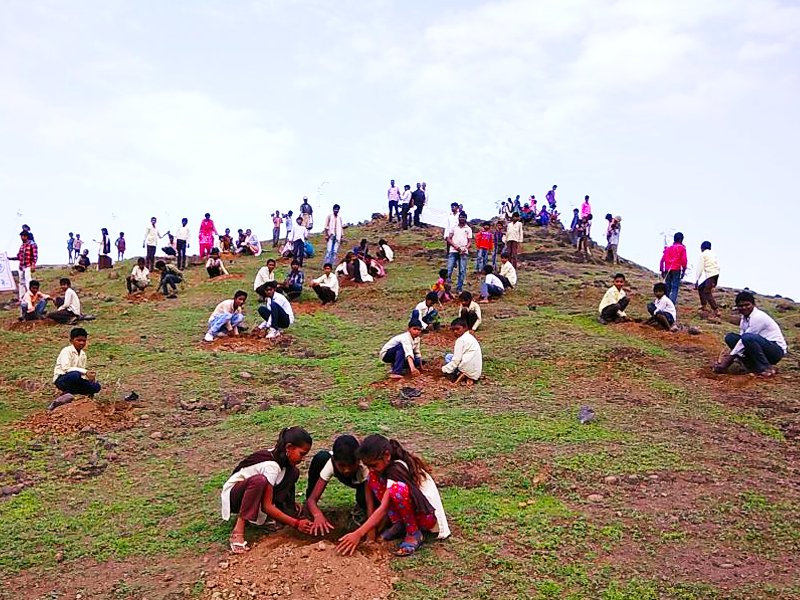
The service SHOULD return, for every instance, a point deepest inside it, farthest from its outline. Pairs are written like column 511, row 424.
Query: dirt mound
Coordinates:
column 439, row 339
column 82, row 414
column 142, row 297
column 306, row 308
column 226, row 277
column 315, row 571
column 251, row 343
column 432, row 383
column 30, row 325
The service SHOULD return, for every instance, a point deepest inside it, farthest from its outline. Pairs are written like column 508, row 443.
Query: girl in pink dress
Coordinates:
column 206, row 236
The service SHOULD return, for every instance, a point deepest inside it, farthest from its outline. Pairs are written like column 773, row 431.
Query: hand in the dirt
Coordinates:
column 304, row 526
column 91, row 375
column 414, row 372
column 348, row 543
column 321, row 526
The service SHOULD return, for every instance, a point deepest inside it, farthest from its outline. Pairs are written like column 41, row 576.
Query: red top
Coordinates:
column 28, row 255
column 674, row 258
column 484, row 240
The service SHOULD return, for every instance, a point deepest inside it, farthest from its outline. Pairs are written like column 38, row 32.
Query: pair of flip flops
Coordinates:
column 406, row 548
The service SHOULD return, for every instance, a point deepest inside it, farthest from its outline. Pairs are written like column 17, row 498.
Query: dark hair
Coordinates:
column 214, row 251
column 432, row 296
column 382, row 242
column 660, row 287
column 121, row 234
column 296, row 436
column 465, row 297
column 462, row 215
column 208, row 215
column 271, row 285
column 64, row 281
column 238, row 293
column 443, row 273
column 140, row 260
column 415, row 323
column 160, row 264
column 677, row 238
column 375, row 446
column 329, row 265
column 77, row 332
column 460, row 323
column 24, row 233
column 705, row 246
column 488, row 269
column 271, row 260
column 295, row 262
column 184, row 220
column 335, row 206
column 619, row 276
column 609, row 216
column 33, row 282
column 745, row 296
column 363, row 242
column 486, row 224
column 586, row 197
column 345, row 449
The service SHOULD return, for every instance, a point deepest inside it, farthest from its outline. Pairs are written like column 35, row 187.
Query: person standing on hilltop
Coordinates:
column 205, row 237
column 459, row 241
column 612, row 238
column 405, row 205
column 707, row 278
column 425, row 203
column 586, row 207
column 418, row 202
column 551, row 197
column 27, row 255
column 513, row 238
column 393, row 194
column 333, row 231
column 151, row 237
column 760, row 343
column 182, row 243
column 673, row 266
column 307, row 214
column 452, row 223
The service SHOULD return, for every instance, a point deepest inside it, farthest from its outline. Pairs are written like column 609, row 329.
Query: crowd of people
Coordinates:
column 395, row 494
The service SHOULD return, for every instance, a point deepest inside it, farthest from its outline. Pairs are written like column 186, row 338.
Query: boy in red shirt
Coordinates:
column 484, row 242
column 673, row 266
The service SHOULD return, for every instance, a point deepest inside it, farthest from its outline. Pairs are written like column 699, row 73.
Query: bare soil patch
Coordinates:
column 282, row 568
column 82, row 414
column 26, row 326
column 252, row 343
column 143, row 297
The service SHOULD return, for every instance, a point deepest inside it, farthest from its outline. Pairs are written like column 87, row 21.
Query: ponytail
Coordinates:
column 374, row 446
column 296, row 436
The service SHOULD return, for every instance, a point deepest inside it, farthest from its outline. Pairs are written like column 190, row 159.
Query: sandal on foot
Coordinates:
column 408, row 548
column 394, row 532
column 238, row 546
column 767, row 373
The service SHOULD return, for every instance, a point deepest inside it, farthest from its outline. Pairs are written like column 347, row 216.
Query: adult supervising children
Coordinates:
column 333, row 235
column 459, row 242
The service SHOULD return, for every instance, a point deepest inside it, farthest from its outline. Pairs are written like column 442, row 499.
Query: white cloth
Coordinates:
column 508, row 271
column 151, row 236
column 411, row 346
column 762, row 324
column 428, row 488
column 263, row 276
column 254, row 245
column 707, row 266
column 269, row 469
column 224, row 307
column 474, row 307
column 71, row 302
column 361, row 475
column 492, row 279
column 423, row 310
column 514, row 232
column 298, row 233
column 612, row 296
column 140, row 276
column 333, row 226
column 664, row 304
column 329, row 281
column 388, row 252
column 460, row 237
column 452, row 223
column 467, row 357
column 69, row 359
column 281, row 301
column 405, row 197
column 182, row 233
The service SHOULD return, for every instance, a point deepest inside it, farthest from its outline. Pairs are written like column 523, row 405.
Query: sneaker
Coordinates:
column 273, row 333
column 263, row 325
column 208, row 338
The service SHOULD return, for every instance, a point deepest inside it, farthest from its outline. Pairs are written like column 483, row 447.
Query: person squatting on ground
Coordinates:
column 426, row 312
column 262, row 487
column 170, row 278
column 707, row 278
column 673, row 266
column 466, row 360
column 384, row 251
column 470, row 311
column 400, row 484
column 759, row 344
column 215, row 267
column 343, row 464
column 492, row 286
column 508, row 274
column 403, row 352
column 139, row 278
column 264, row 275
column 276, row 312
column 612, row 306
column 442, row 287
column 292, row 286
column 227, row 317
column 662, row 310
column 70, row 374
column 33, row 305
column 69, row 307
column 326, row 286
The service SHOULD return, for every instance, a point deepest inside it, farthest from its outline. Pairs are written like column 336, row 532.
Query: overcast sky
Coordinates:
column 674, row 114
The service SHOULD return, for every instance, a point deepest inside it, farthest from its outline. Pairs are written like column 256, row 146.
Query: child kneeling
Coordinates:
column 400, row 484
column 662, row 310
column 466, row 361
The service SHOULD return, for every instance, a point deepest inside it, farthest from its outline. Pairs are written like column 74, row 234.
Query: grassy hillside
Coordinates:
column 686, row 485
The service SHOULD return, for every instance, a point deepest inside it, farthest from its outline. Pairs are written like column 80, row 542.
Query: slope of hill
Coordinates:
column 685, row 486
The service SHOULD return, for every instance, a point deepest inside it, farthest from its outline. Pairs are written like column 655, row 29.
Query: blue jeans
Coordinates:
column 332, row 250
column 673, row 283
column 461, row 259
column 169, row 280
column 396, row 357
column 482, row 259
column 217, row 324
column 33, row 313
column 427, row 319
column 759, row 352
column 490, row 291
column 74, row 383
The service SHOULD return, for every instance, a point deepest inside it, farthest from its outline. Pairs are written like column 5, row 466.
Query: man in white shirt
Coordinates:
column 707, row 278
column 139, row 278
column 491, row 287
column 326, row 286
column 182, row 243
column 393, row 194
column 151, row 237
column 759, row 344
column 513, row 238
column 405, row 203
column 467, row 358
column 265, row 274
column 298, row 237
column 69, row 309
column 403, row 351
column 333, row 234
column 452, row 223
column 459, row 241
column 276, row 312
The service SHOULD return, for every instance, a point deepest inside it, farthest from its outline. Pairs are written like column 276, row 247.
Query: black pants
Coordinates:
column 404, row 216
column 417, row 215
column 180, row 246
column 325, row 294
column 299, row 251
column 169, row 280
column 133, row 286
column 150, row 259
column 280, row 320
column 319, row 461
column 759, row 353
column 469, row 316
column 506, row 282
column 292, row 293
column 394, row 208
column 61, row 316
column 611, row 312
column 214, row 271
column 74, row 383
